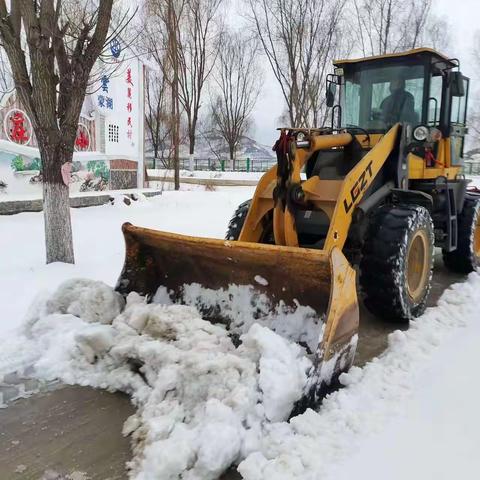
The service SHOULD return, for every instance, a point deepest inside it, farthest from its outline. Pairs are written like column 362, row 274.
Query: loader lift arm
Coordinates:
column 338, row 198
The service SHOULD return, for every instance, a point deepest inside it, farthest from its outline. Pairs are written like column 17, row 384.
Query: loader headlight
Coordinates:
column 435, row 135
column 302, row 140
column 420, row 133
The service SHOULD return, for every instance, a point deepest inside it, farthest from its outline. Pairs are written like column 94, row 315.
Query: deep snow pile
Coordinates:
column 202, row 402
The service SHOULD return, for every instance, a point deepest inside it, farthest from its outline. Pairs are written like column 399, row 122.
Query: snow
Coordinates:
column 206, row 174
column 243, row 306
column 401, row 416
column 475, row 181
column 92, row 301
column 204, row 403
column 98, row 241
column 277, row 360
column 260, row 280
column 36, row 193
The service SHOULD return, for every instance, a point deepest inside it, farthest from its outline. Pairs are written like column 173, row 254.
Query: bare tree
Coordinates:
column 162, row 35
column 51, row 72
column 386, row 26
column 299, row 38
column 238, row 79
column 181, row 35
column 6, row 80
column 171, row 12
column 199, row 31
column 157, row 117
column 437, row 34
column 474, row 98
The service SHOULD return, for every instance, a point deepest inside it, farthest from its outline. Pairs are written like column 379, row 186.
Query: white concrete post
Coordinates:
column 141, row 126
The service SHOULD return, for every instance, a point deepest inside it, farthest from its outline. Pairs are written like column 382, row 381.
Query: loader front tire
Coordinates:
column 236, row 222
column 466, row 257
column 397, row 262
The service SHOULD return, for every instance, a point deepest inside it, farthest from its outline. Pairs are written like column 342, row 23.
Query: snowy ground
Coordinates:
column 475, row 181
column 202, row 403
column 205, row 174
column 99, row 247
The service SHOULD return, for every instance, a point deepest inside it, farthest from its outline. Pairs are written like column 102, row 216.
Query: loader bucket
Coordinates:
column 306, row 295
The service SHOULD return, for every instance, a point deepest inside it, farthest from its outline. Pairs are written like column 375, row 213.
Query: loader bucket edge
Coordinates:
column 336, row 351
column 154, row 258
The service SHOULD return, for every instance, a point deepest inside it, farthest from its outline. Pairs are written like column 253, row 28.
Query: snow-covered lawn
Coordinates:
column 98, row 241
column 206, row 174
column 203, row 403
column 475, row 181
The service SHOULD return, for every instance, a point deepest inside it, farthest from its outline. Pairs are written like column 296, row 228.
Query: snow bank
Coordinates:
column 319, row 444
column 202, row 403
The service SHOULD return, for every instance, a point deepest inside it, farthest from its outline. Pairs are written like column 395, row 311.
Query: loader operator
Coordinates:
column 399, row 106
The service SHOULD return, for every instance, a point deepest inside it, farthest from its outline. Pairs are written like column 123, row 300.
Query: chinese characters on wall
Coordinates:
column 128, row 80
column 103, row 98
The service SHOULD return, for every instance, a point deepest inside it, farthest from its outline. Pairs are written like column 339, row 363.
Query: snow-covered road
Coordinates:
column 436, row 436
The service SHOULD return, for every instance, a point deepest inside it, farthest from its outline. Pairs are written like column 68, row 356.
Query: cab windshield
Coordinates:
column 375, row 98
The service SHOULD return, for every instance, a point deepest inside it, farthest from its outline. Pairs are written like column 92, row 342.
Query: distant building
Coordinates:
column 110, row 135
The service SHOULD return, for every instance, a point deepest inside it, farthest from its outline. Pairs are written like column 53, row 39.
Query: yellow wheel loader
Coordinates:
column 375, row 192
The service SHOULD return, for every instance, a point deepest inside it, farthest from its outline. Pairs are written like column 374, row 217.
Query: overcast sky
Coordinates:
column 464, row 19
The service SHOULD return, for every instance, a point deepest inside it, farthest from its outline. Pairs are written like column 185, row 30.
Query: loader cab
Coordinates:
column 420, row 88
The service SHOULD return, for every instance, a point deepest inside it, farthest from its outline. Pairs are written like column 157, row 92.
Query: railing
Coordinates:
column 213, row 164
column 471, row 168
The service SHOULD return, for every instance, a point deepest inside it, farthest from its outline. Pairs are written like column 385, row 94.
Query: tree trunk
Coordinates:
column 155, row 156
column 172, row 33
column 177, row 137
column 191, row 140
column 56, row 207
column 191, row 135
column 232, row 154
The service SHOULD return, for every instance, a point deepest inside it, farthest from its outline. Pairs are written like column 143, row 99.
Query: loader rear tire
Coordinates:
column 466, row 257
column 236, row 222
column 397, row 262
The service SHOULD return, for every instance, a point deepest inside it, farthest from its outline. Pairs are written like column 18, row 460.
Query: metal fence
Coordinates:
column 213, row 164
column 471, row 168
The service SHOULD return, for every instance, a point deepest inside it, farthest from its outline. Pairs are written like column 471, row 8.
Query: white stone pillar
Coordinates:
column 141, row 126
